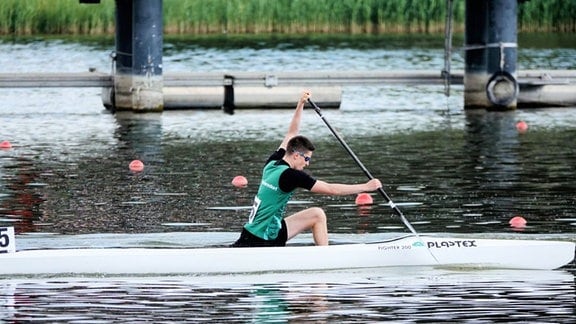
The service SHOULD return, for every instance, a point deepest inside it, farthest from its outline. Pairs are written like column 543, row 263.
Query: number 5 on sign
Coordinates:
column 7, row 241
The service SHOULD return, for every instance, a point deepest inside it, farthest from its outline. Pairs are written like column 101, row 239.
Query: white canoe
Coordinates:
column 401, row 252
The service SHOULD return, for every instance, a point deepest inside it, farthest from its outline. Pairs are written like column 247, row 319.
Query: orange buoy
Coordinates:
column 5, row 145
column 240, row 181
column 136, row 166
column 363, row 199
column 518, row 222
column 521, row 126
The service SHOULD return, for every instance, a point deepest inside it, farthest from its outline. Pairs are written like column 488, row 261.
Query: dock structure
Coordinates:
column 240, row 78
column 138, row 83
column 240, row 89
column 138, row 80
column 490, row 76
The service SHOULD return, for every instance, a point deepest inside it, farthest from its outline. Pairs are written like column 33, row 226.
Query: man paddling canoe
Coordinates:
column 282, row 174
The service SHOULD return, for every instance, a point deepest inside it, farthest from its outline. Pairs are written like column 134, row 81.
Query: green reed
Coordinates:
column 547, row 15
column 31, row 17
column 55, row 17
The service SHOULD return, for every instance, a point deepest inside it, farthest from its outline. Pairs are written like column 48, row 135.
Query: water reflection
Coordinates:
column 493, row 147
column 21, row 200
column 372, row 295
column 141, row 135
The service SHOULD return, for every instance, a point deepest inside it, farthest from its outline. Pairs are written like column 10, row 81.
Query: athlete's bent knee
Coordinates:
column 319, row 214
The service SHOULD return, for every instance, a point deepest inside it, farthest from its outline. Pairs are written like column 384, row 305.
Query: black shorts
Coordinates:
column 248, row 239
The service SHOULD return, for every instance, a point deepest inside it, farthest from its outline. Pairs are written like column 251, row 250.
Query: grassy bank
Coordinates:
column 32, row 17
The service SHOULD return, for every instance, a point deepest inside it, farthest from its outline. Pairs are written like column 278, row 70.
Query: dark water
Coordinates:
column 66, row 183
column 446, row 178
column 379, row 296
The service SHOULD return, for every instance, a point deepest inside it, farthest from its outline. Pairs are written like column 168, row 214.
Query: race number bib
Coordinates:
column 255, row 206
column 7, row 241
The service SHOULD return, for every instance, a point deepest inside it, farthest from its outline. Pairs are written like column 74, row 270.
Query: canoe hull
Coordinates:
column 402, row 252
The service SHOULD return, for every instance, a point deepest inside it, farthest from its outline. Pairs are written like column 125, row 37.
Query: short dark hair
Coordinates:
column 299, row 143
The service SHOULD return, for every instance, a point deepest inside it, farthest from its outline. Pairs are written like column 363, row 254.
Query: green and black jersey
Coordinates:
column 276, row 188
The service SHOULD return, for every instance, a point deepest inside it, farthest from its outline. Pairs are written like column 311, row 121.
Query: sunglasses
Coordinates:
column 306, row 158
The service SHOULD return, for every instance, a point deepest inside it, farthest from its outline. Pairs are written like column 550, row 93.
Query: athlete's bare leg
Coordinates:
column 309, row 219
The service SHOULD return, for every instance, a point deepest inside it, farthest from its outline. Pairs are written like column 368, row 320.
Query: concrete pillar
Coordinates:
column 490, row 79
column 138, row 80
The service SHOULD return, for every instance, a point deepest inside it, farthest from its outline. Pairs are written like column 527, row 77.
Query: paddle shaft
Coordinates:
column 361, row 165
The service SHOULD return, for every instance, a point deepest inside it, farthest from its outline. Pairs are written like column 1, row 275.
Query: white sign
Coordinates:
column 7, row 241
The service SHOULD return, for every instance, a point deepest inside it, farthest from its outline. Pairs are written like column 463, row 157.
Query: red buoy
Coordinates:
column 522, row 127
column 518, row 222
column 240, row 181
column 136, row 166
column 363, row 199
column 5, row 145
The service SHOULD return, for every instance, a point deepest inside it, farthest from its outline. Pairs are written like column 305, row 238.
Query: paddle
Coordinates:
column 369, row 175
